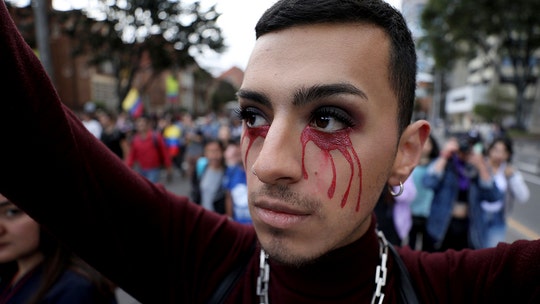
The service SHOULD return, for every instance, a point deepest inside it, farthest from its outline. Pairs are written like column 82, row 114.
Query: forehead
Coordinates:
column 308, row 55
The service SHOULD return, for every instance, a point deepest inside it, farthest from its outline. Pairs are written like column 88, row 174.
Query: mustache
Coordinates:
column 285, row 194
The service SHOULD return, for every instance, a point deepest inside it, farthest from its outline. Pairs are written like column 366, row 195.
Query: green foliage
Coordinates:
column 224, row 93
column 499, row 104
column 120, row 33
column 499, row 31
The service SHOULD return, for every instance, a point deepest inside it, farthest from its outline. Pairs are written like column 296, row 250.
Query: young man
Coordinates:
column 326, row 103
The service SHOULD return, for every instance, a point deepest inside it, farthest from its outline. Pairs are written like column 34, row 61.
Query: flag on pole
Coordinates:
column 171, row 85
column 133, row 103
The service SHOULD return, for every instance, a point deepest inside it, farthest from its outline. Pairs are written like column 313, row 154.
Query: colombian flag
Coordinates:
column 171, row 85
column 133, row 103
column 172, row 134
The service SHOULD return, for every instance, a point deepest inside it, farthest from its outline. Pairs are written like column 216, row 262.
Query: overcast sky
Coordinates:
column 238, row 18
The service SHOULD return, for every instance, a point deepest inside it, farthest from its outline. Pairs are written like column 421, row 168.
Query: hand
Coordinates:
column 451, row 146
column 476, row 160
column 509, row 171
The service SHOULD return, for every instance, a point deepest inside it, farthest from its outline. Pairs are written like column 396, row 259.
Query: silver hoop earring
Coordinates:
column 401, row 187
column 253, row 171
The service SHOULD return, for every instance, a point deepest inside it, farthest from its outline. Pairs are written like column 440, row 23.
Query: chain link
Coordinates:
column 263, row 279
column 381, row 271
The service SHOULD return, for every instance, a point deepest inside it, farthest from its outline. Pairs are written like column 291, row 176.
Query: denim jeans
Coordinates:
column 152, row 175
column 495, row 224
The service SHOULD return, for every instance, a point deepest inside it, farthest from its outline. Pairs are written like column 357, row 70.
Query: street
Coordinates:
column 523, row 222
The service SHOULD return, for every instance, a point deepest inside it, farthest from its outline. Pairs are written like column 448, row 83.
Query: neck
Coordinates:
column 27, row 263
column 330, row 270
column 495, row 164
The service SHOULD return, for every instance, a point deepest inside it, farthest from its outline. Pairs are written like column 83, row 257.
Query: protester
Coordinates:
column 194, row 141
column 460, row 180
column 393, row 212
column 402, row 209
column 35, row 268
column 421, row 204
column 509, row 181
column 88, row 118
column 236, row 197
column 172, row 134
column 111, row 135
column 147, row 151
column 326, row 103
column 207, row 184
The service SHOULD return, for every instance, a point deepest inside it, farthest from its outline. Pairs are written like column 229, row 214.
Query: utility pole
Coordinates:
column 41, row 9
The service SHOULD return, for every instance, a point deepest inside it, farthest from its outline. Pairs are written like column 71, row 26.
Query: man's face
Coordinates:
column 320, row 131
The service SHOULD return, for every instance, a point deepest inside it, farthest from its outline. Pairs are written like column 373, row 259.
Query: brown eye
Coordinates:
column 330, row 119
column 322, row 122
column 253, row 117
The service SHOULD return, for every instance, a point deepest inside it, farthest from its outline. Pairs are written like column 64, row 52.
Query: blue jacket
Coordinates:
column 70, row 288
column 446, row 187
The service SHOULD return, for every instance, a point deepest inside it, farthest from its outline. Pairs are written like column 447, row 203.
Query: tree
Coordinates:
column 122, row 34
column 496, row 106
column 224, row 93
column 504, row 33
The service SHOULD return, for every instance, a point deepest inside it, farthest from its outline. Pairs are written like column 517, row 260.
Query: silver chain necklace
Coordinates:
column 380, row 273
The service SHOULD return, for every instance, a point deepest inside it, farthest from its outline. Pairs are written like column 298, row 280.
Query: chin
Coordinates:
column 291, row 253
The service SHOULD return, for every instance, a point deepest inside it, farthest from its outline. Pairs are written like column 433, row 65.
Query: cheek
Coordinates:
column 319, row 169
column 334, row 176
column 31, row 233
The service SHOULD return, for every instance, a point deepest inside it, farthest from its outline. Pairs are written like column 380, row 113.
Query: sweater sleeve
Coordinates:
column 508, row 273
column 156, row 245
column 518, row 188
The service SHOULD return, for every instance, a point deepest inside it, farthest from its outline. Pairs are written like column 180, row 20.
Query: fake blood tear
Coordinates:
column 328, row 142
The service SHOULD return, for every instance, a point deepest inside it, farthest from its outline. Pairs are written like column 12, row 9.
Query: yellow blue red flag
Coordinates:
column 133, row 103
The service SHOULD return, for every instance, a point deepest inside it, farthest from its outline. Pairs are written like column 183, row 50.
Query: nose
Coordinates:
column 280, row 158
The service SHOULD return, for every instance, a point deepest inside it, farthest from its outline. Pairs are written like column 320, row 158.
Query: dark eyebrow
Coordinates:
column 306, row 95
column 5, row 203
column 254, row 96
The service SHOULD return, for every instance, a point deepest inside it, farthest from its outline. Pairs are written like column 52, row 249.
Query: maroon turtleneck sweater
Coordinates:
column 161, row 248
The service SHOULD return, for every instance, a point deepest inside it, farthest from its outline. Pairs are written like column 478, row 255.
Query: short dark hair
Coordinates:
column 508, row 144
column 288, row 13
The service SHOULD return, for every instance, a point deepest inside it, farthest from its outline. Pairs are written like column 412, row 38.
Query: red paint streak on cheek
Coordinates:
column 252, row 134
column 327, row 142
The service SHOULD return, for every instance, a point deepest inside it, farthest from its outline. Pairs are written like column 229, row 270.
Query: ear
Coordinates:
column 409, row 151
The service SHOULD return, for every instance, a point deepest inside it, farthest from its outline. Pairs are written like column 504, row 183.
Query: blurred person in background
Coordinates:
column 326, row 101
column 111, row 134
column 91, row 123
column 172, row 133
column 404, row 195
column 421, row 204
column 35, row 268
column 393, row 212
column 147, row 151
column 236, row 195
column 460, row 180
column 510, row 182
column 207, row 183
column 194, row 141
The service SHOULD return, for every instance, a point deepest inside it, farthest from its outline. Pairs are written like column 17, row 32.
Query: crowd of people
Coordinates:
column 459, row 195
column 205, row 151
